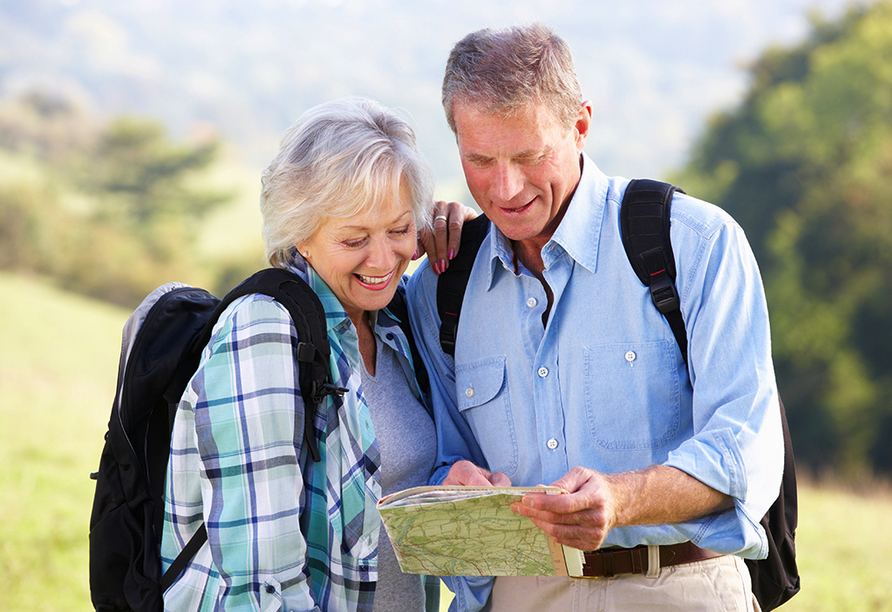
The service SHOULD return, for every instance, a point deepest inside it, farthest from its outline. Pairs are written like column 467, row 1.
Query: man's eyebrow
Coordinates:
column 528, row 154
column 531, row 154
column 476, row 157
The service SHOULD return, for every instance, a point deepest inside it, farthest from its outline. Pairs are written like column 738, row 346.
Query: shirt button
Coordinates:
column 552, row 444
column 543, row 372
column 469, row 392
column 631, row 356
column 531, row 303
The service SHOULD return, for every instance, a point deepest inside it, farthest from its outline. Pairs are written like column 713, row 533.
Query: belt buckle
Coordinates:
column 606, row 557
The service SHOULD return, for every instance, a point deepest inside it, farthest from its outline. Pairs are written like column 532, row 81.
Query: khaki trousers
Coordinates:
column 718, row 584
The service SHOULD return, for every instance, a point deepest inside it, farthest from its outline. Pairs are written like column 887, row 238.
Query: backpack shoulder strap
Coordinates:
column 399, row 308
column 312, row 351
column 644, row 224
column 452, row 283
column 189, row 551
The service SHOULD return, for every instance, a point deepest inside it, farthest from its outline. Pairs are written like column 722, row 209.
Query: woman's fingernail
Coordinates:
column 442, row 266
column 451, row 253
column 415, row 255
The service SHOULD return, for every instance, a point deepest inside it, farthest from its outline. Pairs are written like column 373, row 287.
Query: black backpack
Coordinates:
column 163, row 341
column 644, row 221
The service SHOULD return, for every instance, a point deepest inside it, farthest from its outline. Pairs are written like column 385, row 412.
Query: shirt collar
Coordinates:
column 335, row 314
column 578, row 235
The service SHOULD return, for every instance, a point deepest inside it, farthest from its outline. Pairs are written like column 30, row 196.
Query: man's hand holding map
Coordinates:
column 471, row 531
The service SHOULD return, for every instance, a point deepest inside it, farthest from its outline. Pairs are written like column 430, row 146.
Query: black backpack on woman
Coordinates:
column 162, row 344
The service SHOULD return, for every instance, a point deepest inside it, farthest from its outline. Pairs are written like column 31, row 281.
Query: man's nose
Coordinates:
column 508, row 182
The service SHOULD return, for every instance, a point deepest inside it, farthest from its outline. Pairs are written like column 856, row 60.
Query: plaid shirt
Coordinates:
column 284, row 533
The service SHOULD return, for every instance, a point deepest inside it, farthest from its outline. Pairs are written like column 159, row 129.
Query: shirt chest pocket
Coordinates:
column 632, row 397
column 484, row 402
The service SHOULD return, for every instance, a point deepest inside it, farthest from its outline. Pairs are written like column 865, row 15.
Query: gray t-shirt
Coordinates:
column 408, row 445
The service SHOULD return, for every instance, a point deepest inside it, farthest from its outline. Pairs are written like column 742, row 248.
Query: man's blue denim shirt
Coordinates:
column 603, row 384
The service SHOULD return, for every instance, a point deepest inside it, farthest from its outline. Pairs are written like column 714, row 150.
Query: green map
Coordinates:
column 468, row 531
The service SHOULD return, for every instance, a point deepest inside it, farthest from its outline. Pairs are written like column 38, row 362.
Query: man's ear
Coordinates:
column 583, row 124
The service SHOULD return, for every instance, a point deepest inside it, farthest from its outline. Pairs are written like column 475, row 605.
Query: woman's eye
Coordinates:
column 354, row 244
column 402, row 231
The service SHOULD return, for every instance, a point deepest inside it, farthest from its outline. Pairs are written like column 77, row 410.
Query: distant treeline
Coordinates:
column 804, row 164
column 109, row 209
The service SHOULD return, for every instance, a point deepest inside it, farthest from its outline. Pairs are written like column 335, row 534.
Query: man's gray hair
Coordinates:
column 501, row 71
column 339, row 159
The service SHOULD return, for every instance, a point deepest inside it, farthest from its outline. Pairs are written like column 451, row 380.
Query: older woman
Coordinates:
column 341, row 205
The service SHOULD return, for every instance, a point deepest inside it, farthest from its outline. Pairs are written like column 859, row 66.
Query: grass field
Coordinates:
column 58, row 362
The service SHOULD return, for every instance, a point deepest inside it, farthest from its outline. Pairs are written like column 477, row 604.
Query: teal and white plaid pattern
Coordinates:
column 284, row 533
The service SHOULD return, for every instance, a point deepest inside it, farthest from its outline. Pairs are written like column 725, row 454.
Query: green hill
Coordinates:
column 58, row 364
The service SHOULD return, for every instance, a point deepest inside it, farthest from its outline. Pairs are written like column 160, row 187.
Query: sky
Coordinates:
column 655, row 70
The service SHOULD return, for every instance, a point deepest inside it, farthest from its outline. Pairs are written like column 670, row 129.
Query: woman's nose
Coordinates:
column 381, row 256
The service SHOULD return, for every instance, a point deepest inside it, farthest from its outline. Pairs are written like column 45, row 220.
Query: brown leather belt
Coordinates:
column 608, row 562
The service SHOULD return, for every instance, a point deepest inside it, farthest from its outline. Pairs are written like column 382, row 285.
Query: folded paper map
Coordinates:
column 471, row 531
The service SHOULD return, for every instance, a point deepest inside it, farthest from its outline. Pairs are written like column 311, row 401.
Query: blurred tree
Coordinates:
column 141, row 177
column 107, row 210
column 24, row 233
column 148, row 187
column 805, row 166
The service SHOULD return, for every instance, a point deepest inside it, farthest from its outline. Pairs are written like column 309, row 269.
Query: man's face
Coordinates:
column 521, row 169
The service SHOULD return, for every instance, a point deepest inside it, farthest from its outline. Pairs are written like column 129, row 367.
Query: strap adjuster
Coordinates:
column 665, row 295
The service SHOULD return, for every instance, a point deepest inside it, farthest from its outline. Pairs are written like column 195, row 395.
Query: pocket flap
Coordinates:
column 479, row 382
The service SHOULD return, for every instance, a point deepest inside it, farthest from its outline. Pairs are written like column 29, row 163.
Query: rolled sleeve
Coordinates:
column 737, row 447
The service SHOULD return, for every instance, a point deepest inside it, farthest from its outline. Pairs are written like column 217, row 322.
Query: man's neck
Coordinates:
column 529, row 253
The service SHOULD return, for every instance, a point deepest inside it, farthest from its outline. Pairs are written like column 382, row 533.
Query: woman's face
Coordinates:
column 362, row 258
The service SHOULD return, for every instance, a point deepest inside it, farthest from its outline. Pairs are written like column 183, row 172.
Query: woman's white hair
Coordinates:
column 339, row 159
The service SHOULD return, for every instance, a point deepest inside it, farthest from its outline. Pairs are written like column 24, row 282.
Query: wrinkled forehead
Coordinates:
column 530, row 127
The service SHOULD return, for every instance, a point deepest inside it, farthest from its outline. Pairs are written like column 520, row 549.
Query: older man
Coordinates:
column 565, row 373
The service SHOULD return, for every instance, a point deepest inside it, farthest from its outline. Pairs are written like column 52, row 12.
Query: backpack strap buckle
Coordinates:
column 665, row 295
column 324, row 389
column 306, row 352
